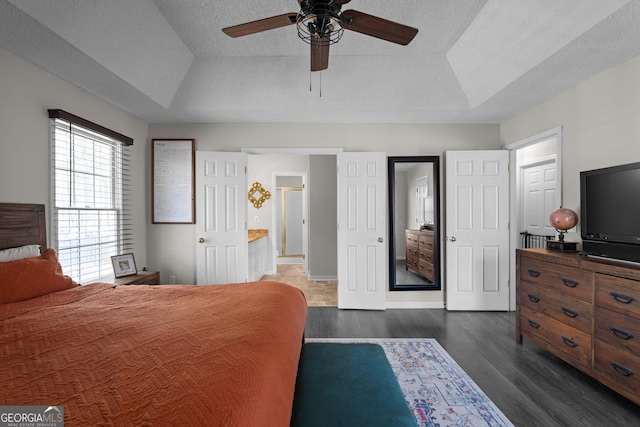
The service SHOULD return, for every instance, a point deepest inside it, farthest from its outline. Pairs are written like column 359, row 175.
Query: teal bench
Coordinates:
column 348, row 385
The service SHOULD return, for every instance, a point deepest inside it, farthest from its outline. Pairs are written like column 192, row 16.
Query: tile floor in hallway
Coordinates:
column 318, row 293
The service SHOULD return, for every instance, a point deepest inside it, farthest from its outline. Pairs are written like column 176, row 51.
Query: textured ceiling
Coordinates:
column 473, row 61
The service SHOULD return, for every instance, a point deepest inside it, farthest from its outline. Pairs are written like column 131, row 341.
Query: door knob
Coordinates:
column 380, row 240
column 201, row 240
column 452, row 238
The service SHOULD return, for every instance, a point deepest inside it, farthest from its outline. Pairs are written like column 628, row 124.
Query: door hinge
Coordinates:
column 509, row 167
column 303, row 222
column 245, row 170
column 509, row 283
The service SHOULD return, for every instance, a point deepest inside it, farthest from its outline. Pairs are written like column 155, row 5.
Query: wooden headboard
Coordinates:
column 22, row 224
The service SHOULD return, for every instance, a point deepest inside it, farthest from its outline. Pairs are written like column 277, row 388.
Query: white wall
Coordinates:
column 26, row 93
column 172, row 247
column 600, row 122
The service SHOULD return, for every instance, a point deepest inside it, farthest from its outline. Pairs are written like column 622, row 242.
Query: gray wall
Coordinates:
column 323, row 217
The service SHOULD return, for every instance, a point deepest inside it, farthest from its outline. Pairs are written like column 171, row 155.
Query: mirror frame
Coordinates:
column 437, row 283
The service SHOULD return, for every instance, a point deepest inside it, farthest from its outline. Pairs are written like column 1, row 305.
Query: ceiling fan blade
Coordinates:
column 319, row 53
column 261, row 25
column 341, row 2
column 377, row 27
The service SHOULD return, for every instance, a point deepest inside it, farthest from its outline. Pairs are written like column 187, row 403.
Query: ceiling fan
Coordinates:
column 321, row 23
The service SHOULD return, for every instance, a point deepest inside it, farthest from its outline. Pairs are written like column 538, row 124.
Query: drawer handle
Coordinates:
column 571, row 343
column 620, row 333
column 533, row 298
column 534, row 273
column 623, row 370
column 570, row 313
column 534, row 324
column 569, row 283
column 621, row 298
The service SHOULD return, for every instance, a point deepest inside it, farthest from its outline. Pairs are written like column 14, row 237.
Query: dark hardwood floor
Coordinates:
column 529, row 385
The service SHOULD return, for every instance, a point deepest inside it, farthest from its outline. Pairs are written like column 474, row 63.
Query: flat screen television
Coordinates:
column 610, row 212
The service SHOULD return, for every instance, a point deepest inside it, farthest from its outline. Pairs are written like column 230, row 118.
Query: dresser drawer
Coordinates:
column 618, row 366
column 617, row 330
column 426, row 269
column 412, row 252
column 411, row 237
column 561, row 278
column 426, row 240
column 412, row 256
column 572, row 311
column 561, row 336
column 617, row 294
column 425, row 254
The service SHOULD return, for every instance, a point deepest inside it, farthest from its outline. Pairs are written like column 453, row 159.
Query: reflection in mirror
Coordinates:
column 414, row 214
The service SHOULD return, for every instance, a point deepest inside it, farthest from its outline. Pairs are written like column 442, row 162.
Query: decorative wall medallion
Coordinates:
column 258, row 195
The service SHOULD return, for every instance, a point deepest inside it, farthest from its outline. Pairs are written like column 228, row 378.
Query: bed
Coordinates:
column 223, row 355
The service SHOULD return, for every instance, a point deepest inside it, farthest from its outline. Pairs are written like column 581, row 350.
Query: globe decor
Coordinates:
column 562, row 219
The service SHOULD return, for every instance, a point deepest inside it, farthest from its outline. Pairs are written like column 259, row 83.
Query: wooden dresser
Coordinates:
column 584, row 310
column 419, row 252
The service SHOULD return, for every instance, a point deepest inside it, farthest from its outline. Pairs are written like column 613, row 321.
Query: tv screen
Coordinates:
column 610, row 209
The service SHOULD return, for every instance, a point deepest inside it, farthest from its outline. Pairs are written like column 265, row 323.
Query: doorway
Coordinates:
column 536, row 190
column 308, row 182
column 289, row 221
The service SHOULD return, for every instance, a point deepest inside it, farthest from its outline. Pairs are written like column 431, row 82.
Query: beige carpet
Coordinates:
column 318, row 294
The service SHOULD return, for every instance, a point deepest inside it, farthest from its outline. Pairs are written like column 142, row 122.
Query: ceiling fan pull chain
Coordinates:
column 320, row 84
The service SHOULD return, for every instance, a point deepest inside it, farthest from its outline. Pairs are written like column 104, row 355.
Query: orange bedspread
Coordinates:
column 223, row 355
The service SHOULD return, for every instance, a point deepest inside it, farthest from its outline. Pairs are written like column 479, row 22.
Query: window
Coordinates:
column 91, row 216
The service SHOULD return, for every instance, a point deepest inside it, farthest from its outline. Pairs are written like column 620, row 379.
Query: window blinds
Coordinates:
column 91, row 200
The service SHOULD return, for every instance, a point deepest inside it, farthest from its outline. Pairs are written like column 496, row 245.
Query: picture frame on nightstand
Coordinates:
column 124, row 265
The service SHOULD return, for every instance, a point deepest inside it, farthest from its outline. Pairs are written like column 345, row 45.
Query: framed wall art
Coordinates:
column 173, row 192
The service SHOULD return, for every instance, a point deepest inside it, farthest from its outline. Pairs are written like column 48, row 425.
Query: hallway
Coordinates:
column 318, row 293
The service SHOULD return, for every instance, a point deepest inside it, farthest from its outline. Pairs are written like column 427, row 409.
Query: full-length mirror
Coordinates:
column 414, row 214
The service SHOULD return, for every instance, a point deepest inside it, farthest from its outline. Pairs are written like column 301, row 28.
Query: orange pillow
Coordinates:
column 28, row 278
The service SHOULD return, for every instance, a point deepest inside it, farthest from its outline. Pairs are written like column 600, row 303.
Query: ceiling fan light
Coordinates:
column 310, row 26
column 329, row 28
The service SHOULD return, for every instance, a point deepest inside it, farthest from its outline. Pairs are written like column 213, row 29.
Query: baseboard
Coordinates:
column 323, row 278
column 288, row 261
column 414, row 304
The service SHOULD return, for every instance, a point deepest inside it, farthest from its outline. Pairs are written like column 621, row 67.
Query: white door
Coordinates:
column 477, row 230
column 362, row 250
column 539, row 197
column 221, row 217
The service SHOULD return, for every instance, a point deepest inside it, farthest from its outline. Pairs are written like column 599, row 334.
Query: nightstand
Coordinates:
column 142, row 278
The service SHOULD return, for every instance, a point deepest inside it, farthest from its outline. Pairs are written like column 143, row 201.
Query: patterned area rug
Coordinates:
column 438, row 391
